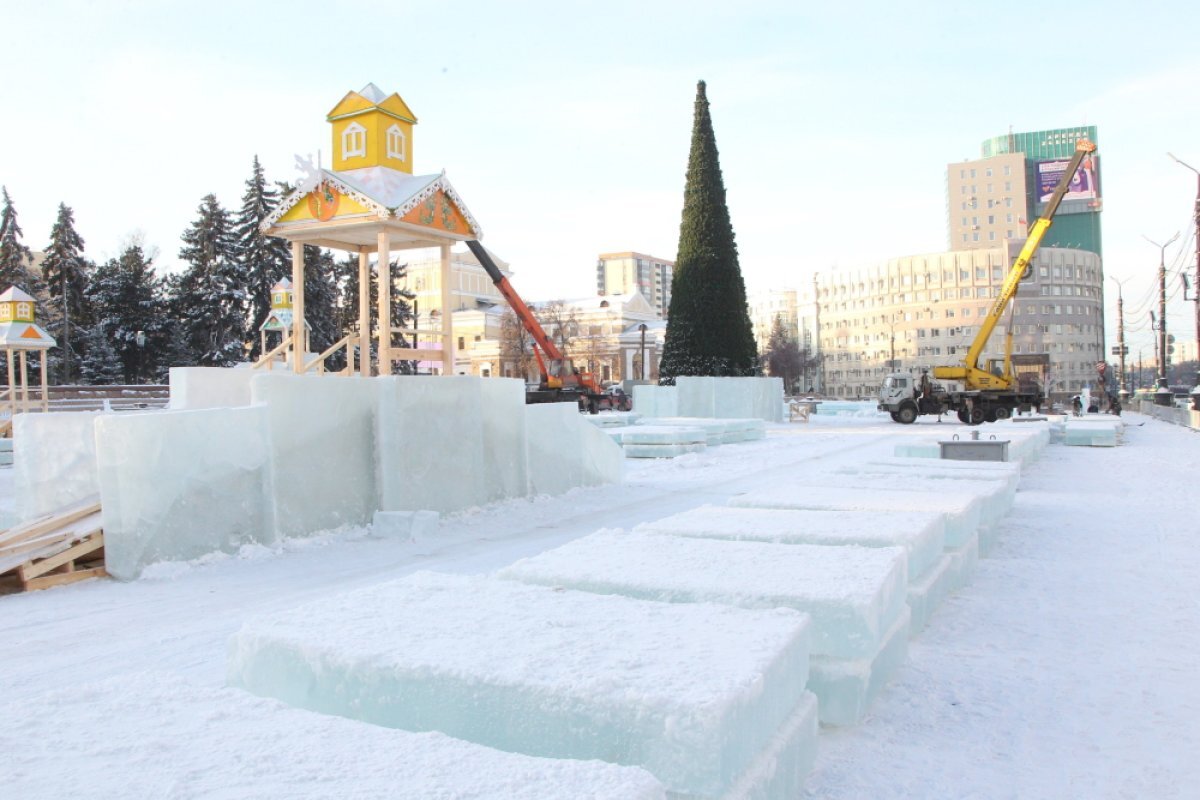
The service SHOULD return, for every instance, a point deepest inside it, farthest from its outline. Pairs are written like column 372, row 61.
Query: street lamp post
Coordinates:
column 642, row 363
column 1196, row 214
column 1122, row 392
column 1162, row 395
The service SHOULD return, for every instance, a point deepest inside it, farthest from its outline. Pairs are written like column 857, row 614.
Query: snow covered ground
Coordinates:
column 1066, row 669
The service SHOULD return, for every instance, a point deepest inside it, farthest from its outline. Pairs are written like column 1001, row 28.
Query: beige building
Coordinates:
column 765, row 306
column 471, row 288
column 986, row 202
column 918, row 312
column 622, row 273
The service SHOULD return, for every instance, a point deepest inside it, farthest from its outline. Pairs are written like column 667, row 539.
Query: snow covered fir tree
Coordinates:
column 210, row 296
column 65, row 274
column 709, row 331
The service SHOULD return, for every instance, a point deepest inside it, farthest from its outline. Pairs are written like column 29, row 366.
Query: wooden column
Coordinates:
column 364, row 313
column 24, row 381
column 385, row 303
column 45, row 386
column 298, row 307
column 12, row 385
column 447, row 315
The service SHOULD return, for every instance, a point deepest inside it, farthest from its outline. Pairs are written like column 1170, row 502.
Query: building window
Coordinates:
column 1007, row 169
column 991, row 236
column 461, row 343
column 396, row 143
column 354, row 141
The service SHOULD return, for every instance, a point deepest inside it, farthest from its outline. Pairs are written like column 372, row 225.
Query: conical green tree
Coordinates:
column 708, row 326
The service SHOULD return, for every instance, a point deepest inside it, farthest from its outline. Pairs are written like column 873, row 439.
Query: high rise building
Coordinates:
column 996, row 197
column 649, row 276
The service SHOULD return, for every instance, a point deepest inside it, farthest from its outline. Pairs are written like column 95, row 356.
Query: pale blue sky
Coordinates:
column 565, row 126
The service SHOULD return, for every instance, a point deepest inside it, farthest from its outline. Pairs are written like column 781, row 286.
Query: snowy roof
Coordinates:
column 388, row 192
column 14, row 294
column 24, row 336
column 373, row 93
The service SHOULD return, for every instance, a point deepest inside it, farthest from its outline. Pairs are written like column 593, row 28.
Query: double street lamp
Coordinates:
column 1162, row 395
column 1196, row 290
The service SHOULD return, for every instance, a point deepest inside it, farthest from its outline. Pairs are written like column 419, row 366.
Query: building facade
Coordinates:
column 999, row 195
column 650, row 276
column 918, row 312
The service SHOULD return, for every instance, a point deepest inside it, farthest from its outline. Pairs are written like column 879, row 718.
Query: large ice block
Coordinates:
column 322, row 445
column 194, row 388
column 964, row 558
column 662, row 450
column 55, row 461
column 176, row 485
column 729, row 398
column 854, row 594
column 449, row 443
column 922, row 534
column 692, row 692
column 656, row 401
column 659, row 434
column 846, row 688
column 1081, row 435
column 564, row 451
column 995, row 493
column 962, row 512
column 154, row 735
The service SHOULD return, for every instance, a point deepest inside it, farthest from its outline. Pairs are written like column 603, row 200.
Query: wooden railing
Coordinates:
column 347, row 342
column 75, row 397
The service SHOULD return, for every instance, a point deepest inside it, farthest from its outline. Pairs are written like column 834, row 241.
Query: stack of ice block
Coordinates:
column 961, row 513
column 995, row 492
column 717, row 431
column 1093, row 432
column 855, row 595
column 659, row 441
column 613, row 419
column 707, row 698
column 922, row 536
column 166, row 737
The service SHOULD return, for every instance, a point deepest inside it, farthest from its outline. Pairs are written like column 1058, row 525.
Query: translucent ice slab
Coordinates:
column 729, row 398
column 1090, row 435
column 963, row 560
column 692, row 692
column 854, row 594
column 922, row 535
column 563, row 451
column 845, row 688
column 962, row 512
column 194, row 388
column 447, row 443
column 662, row 450
column 176, row 485
column 926, row 592
column 322, row 439
column 154, row 735
column 55, row 461
column 656, row 401
column 661, row 434
column 995, row 492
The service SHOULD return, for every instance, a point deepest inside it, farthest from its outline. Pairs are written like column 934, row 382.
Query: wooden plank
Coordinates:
column 88, row 545
column 49, row 523
column 58, row 579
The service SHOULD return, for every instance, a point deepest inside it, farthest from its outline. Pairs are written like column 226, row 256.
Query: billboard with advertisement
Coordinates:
column 1084, row 186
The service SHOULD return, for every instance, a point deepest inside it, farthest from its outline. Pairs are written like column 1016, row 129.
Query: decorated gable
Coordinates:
column 323, row 204
column 438, row 211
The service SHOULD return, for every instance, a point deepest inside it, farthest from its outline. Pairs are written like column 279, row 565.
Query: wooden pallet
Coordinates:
column 58, row 548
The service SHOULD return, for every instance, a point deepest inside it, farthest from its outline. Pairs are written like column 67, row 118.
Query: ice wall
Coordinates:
column 564, row 451
column 176, row 485
column 194, row 388
column 451, row 443
column 55, row 461
column 656, row 401
column 322, row 449
column 730, row 398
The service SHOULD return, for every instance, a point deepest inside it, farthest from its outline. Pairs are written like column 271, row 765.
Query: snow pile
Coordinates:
column 154, row 735
column 855, row 595
column 700, row 695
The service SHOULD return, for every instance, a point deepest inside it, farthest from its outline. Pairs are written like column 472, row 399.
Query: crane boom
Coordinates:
column 969, row 372
column 515, row 302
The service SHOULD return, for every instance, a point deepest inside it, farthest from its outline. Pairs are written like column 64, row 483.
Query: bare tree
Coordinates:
column 516, row 345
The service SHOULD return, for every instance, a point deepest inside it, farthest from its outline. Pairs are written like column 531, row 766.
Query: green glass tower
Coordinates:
column 1077, row 223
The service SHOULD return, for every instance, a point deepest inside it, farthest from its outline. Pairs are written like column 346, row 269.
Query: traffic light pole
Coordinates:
column 1122, row 392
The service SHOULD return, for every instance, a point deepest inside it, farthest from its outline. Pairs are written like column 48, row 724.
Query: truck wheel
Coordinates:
column 989, row 415
column 907, row 414
column 895, row 416
column 963, row 417
column 977, row 416
column 1003, row 412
